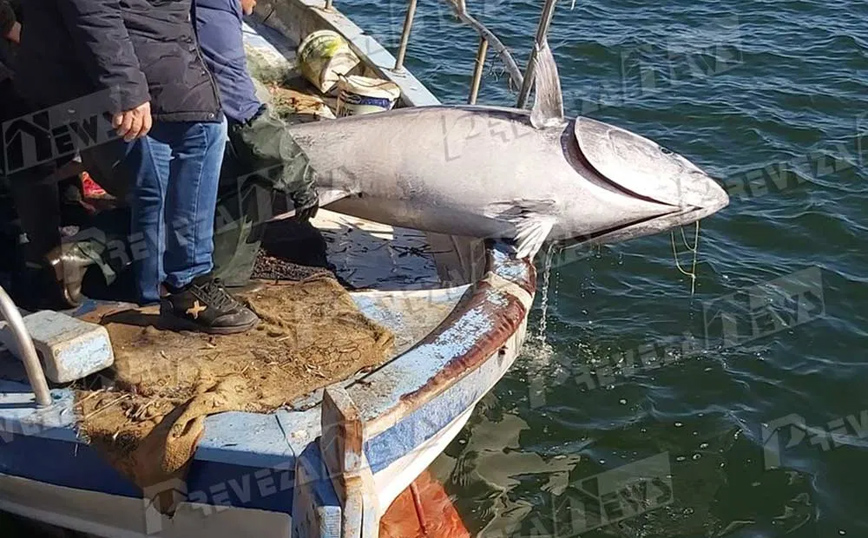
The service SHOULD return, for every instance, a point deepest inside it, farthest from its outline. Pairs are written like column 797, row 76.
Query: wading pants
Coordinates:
column 265, row 173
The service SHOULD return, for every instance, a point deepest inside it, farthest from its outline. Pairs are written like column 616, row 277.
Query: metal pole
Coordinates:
column 25, row 348
column 329, row 4
column 405, row 36
column 542, row 31
column 477, row 71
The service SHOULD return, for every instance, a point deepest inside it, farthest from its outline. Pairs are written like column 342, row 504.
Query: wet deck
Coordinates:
column 367, row 254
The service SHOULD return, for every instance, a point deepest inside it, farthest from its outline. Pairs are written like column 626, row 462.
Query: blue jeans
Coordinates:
column 176, row 169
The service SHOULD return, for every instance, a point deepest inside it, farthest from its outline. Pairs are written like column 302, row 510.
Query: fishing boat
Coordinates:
column 332, row 464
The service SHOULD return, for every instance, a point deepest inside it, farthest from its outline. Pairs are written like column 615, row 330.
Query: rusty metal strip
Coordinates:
column 495, row 311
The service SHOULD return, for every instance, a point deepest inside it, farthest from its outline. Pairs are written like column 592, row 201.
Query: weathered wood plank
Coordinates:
column 316, row 509
column 342, row 446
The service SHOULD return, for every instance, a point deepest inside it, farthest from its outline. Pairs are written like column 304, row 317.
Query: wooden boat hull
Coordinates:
column 254, row 471
column 279, row 475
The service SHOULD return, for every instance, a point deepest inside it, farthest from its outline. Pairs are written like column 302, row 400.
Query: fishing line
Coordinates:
column 694, row 249
column 695, row 238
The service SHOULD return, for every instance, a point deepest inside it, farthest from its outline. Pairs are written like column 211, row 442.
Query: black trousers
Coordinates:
column 36, row 200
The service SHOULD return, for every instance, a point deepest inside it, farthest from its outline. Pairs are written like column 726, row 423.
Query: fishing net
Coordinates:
column 166, row 383
column 280, row 84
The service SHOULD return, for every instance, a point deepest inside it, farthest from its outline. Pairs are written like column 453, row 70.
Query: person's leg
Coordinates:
column 31, row 194
column 147, row 162
column 243, row 207
column 238, row 236
column 36, row 202
column 197, row 155
column 196, row 300
column 271, row 175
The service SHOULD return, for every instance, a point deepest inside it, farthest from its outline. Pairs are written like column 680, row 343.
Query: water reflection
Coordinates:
column 510, row 478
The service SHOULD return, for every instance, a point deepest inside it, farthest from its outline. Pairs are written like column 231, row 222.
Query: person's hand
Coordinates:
column 134, row 123
column 306, row 204
column 247, row 6
column 14, row 34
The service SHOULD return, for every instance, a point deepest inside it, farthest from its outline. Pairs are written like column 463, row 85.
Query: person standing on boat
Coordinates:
column 10, row 36
column 38, row 281
column 141, row 61
column 261, row 154
column 35, row 199
column 10, row 28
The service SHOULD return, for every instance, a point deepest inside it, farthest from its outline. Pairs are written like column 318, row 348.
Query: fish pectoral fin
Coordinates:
column 533, row 220
column 548, row 104
column 531, row 233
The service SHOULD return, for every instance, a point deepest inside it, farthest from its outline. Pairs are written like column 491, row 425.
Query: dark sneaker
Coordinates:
column 204, row 305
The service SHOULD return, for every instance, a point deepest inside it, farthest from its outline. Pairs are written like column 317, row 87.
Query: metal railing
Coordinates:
column 26, row 350
column 486, row 38
column 405, row 35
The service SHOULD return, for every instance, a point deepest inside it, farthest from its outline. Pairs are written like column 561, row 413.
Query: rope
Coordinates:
column 694, row 249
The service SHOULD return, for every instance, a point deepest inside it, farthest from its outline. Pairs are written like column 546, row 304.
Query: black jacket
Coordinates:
column 139, row 50
column 7, row 19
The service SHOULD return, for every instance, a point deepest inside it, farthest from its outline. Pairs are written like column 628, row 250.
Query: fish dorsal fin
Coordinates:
column 548, row 104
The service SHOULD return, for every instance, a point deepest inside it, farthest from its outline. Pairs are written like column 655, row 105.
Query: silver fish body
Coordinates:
column 489, row 172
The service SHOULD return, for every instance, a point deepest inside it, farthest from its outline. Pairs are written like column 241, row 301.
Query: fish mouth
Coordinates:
column 642, row 227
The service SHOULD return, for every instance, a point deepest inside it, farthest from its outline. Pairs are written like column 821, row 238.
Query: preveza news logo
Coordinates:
column 161, row 501
column 849, row 430
column 612, row 496
column 57, row 132
column 794, row 425
column 765, row 309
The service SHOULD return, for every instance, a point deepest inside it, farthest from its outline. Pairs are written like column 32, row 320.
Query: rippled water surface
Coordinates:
column 746, row 414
